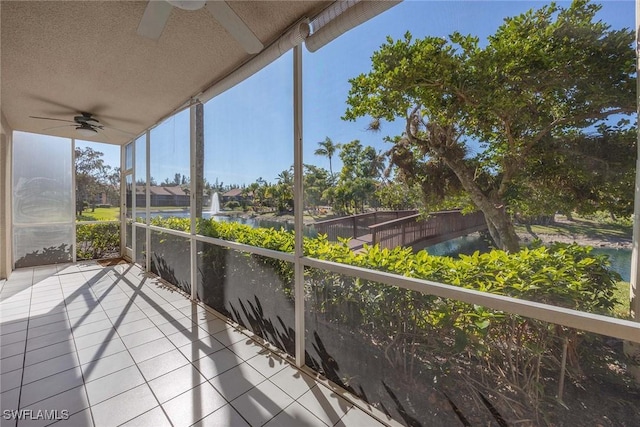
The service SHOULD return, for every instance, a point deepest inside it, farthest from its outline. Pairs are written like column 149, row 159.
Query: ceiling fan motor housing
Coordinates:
column 85, row 129
column 187, row 4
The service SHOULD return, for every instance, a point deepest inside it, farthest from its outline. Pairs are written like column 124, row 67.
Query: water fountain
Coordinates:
column 215, row 204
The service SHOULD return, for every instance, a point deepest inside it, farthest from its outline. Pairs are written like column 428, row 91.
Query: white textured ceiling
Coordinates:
column 60, row 58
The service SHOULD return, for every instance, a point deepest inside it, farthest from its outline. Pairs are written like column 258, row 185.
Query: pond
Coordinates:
column 620, row 259
column 253, row 222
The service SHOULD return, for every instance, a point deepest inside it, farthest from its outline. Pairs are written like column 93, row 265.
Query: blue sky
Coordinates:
column 248, row 129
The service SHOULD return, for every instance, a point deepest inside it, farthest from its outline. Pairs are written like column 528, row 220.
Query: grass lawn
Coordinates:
column 113, row 213
column 100, row 214
column 622, row 308
column 589, row 227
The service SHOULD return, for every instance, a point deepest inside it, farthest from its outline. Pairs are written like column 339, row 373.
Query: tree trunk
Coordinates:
column 441, row 143
column 504, row 234
column 498, row 220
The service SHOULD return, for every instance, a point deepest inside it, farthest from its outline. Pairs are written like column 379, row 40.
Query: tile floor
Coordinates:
column 108, row 346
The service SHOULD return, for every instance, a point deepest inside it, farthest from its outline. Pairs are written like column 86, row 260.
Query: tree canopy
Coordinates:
column 545, row 79
column 356, row 185
column 93, row 177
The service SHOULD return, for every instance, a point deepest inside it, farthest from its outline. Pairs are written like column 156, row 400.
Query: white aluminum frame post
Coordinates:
column 632, row 349
column 298, row 194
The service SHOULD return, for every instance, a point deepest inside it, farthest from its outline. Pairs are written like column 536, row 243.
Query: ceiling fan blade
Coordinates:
column 49, row 118
column 57, row 127
column 226, row 17
column 154, row 19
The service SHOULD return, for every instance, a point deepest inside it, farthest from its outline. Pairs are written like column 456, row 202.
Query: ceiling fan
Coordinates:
column 157, row 14
column 85, row 123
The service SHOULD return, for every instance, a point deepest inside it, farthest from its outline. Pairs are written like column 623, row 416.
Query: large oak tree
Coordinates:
column 545, row 75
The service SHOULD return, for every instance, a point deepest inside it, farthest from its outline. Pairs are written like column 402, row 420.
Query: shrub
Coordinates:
column 97, row 241
column 232, row 205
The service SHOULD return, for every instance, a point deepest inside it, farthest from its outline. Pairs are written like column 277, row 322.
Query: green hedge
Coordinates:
column 516, row 355
column 97, row 241
column 565, row 275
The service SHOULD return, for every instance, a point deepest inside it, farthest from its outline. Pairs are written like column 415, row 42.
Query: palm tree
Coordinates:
column 327, row 149
column 285, row 177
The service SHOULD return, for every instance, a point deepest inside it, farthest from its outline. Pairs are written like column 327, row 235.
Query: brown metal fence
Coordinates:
column 357, row 225
column 436, row 228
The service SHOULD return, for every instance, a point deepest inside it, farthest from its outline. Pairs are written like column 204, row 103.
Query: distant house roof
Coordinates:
column 234, row 192
column 158, row 190
column 175, row 190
